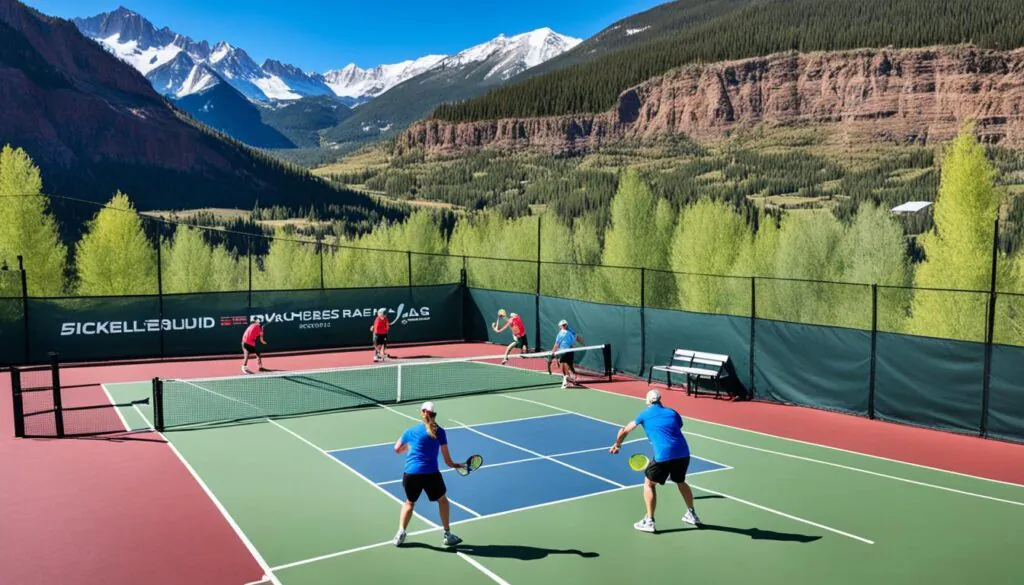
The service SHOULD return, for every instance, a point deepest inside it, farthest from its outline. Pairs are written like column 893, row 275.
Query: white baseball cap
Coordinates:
column 513, row 315
column 563, row 323
column 653, row 396
column 381, row 311
column 429, row 407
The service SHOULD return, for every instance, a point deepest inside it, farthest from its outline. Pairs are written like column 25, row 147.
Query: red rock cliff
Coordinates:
column 902, row 96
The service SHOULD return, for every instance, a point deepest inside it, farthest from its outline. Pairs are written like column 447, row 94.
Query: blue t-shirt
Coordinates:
column 664, row 429
column 423, row 450
column 566, row 338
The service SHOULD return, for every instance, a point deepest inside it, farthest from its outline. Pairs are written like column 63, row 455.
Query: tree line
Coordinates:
column 698, row 255
column 759, row 28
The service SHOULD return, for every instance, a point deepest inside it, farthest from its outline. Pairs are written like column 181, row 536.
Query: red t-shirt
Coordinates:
column 381, row 325
column 518, row 329
column 252, row 333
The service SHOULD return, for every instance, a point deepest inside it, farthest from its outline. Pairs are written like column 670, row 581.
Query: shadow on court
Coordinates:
column 753, row 533
column 506, row 551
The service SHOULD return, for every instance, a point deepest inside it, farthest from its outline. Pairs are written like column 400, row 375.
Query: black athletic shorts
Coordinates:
column 379, row 339
column 250, row 348
column 659, row 471
column 521, row 342
column 565, row 358
column 417, row 483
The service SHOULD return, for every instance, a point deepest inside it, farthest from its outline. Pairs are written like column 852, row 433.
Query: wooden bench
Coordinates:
column 696, row 366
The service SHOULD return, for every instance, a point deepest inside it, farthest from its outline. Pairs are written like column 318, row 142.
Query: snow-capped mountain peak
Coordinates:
column 177, row 65
column 515, row 54
column 355, row 82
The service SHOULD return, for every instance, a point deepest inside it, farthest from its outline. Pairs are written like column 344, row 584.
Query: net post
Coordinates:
column 19, row 407
column 158, row 404
column 58, row 406
column 24, row 307
column 874, row 350
column 606, row 351
column 398, row 395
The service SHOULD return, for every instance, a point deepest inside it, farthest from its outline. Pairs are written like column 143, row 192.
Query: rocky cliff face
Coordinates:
column 910, row 96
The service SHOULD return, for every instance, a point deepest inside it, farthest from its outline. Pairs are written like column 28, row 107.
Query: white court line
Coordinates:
column 389, row 494
column 727, row 496
column 482, row 568
column 548, row 457
column 473, row 519
column 268, row 572
column 526, row 460
column 116, row 408
column 499, row 422
column 823, row 446
column 858, row 470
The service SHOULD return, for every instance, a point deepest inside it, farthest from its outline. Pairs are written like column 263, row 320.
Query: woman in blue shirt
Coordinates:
column 421, row 444
column 671, row 457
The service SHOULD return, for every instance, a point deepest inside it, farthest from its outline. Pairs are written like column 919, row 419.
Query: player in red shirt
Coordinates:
column 252, row 333
column 380, row 328
column 518, row 333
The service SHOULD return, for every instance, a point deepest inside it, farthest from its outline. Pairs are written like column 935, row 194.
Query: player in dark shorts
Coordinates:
column 421, row 444
column 253, row 333
column 565, row 340
column 663, row 426
column 380, row 328
column 519, row 340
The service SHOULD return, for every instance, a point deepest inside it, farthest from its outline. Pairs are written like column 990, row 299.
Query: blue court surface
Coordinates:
column 528, row 463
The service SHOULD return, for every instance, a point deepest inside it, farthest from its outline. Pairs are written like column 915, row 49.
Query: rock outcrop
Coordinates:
column 907, row 96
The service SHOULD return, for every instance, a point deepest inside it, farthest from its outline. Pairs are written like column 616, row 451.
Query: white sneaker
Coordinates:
column 645, row 524
column 504, row 361
column 399, row 538
column 450, row 539
column 691, row 518
column 376, row 358
column 245, row 370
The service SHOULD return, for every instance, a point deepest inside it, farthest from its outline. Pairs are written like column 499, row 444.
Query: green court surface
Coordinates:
column 776, row 510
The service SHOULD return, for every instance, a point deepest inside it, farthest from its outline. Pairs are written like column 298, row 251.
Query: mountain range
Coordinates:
column 179, row 67
column 94, row 126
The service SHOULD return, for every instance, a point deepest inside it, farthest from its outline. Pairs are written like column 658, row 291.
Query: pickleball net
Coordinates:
column 205, row 401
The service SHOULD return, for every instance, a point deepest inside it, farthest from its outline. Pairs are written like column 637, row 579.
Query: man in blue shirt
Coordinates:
column 671, row 457
column 565, row 340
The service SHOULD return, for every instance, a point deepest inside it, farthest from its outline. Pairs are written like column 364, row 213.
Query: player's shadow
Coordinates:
column 753, row 533
column 506, row 551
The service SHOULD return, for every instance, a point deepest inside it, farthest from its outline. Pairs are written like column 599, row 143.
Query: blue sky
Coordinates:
column 328, row 34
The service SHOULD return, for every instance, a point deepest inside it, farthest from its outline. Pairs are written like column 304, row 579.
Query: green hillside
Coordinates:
column 757, row 29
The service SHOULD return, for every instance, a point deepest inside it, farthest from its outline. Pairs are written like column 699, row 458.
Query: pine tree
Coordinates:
column 27, row 229
column 958, row 251
column 808, row 250
column 114, row 257
column 187, row 263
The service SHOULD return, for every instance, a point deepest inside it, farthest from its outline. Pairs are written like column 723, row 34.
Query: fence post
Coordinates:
column 24, row 307
column 249, row 254
column 160, row 290
column 19, row 407
column 320, row 249
column 753, row 328
column 58, row 405
column 874, row 345
column 536, row 298
column 408, row 261
column 643, row 321
column 989, row 333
